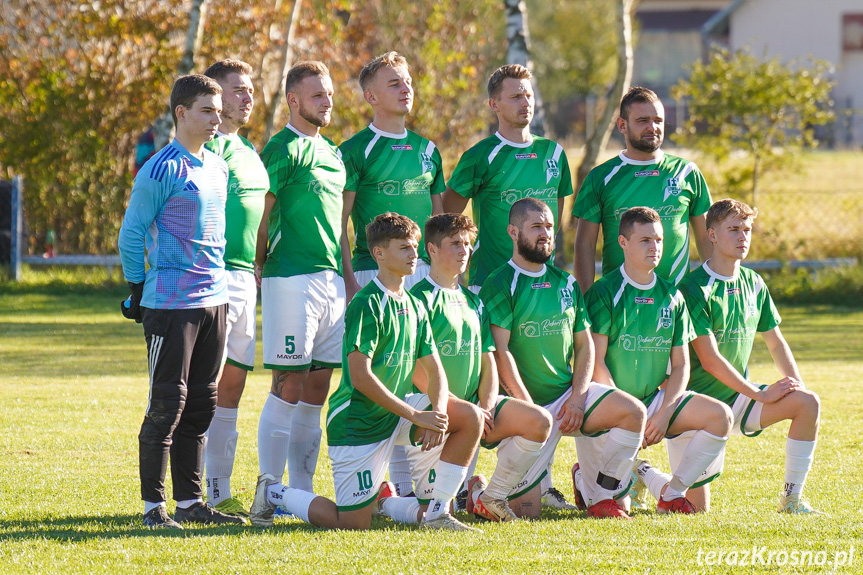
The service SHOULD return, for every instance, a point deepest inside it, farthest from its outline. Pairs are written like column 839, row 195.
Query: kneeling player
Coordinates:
column 545, row 355
column 728, row 304
column 387, row 333
column 640, row 327
column 463, row 337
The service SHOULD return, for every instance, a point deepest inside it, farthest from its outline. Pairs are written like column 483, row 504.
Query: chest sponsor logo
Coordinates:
column 321, row 187
column 551, row 170
column 664, row 318
column 401, row 147
column 646, row 173
column 732, row 291
column 405, row 187
column 644, row 343
column 744, row 334
column 452, row 348
column 545, row 327
column 672, row 188
column 525, row 156
column 644, row 300
column 540, row 285
column 395, row 358
column 402, row 311
column 670, row 212
column 512, row 196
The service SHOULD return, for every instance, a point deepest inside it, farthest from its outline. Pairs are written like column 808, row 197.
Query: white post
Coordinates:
column 17, row 227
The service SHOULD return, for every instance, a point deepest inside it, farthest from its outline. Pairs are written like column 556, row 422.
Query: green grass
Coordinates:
column 73, row 387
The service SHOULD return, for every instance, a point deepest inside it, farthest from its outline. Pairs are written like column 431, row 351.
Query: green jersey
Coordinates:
column 542, row 312
column 308, row 179
column 247, row 187
column 390, row 173
column 643, row 323
column 461, row 331
column 670, row 185
column 495, row 174
column 732, row 309
column 394, row 332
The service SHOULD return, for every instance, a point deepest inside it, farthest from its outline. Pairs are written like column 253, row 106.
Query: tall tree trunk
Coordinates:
column 277, row 94
column 518, row 52
column 598, row 140
column 163, row 127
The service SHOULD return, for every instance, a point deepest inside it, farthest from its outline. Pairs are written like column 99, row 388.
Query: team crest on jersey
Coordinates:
column 646, row 173
column 525, row 156
column 751, row 309
column 401, row 147
column 565, row 299
column 551, row 170
column 672, row 187
column 644, row 300
column 428, row 165
column 664, row 318
column 540, row 285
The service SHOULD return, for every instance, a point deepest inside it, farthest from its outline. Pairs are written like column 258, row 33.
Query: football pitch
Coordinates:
column 73, row 389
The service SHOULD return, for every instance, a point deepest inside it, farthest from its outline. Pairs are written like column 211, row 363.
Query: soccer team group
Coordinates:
column 453, row 334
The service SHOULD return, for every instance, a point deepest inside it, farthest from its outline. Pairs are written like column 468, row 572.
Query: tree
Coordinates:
column 518, row 52
column 765, row 108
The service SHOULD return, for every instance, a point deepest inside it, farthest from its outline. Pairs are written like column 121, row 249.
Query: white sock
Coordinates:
column 150, row 505
column 274, row 432
column 673, row 492
column 219, row 453
column 702, row 450
column 448, row 479
column 514, row 457
column 401, row 509
column 186, row 503
column 798, row 462
column 654, row 479
column 304, row 445
column 295, row 501
column 618, row 455
column 400, row 471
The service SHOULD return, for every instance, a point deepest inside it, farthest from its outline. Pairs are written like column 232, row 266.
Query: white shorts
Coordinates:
column 303, row 320
column 747, row 421
column 596, row 392
column 359, row 470
column 363, row 277
column 240, row 337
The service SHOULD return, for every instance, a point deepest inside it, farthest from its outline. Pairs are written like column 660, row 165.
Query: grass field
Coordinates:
column 73, row 386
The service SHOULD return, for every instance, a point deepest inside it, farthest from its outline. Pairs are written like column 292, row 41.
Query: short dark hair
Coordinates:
column 390, row 226
column 728, row 207
column 186, row 90
column 637, row 215
column 636, row 95
column 519, row 210
column 442, row 226
column 391, row 59
column 302, row 70
column 495, row 82
column 221, row 69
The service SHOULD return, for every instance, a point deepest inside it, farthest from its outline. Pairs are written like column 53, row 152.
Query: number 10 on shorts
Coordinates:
column 289, row 344
column 364, row 478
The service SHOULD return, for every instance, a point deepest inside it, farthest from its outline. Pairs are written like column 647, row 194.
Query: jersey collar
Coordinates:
column 440, row 287
column 390, row 293
column 514, row 144
column 638, row 286
column 300, row 134
column 380, row 132
column 715, row 275
column 521, row 270
column 627, row 160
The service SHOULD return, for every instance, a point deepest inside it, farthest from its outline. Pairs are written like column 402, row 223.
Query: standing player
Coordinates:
column 389, row 169
column 506, row 167
column 177, row 214
column 302, row 291
column 387, row 336
column 463, row 337
column 545, row 355
column 247, row 187
column 729, row 304
column 641, row 175
column 641, row 328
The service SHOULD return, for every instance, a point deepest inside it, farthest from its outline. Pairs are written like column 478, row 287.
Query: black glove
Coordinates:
column 131, row 307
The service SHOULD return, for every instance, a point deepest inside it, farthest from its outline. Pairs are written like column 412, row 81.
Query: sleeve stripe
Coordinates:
column 619, row 293
column 494, row 152
column 430, row 148
column 687, row 169
column 514, row 283
column 372, row 145
column 613, row 172
column 557, row 151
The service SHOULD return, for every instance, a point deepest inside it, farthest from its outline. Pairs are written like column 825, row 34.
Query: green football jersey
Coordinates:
column 394, row 332
column 733, row 309
column 495, row 174
column 542, row 311
column 672, row 186
column 308, row 179
column 247, row 187
column 390, row 173
column 461, row 331
column 643, row 323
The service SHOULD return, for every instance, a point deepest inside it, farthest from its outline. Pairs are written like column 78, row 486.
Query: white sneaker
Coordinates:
column 554, row 499
column 447, row 522
column 493, row 509
column 796, row 505
column 638, row 490
column 261, row 512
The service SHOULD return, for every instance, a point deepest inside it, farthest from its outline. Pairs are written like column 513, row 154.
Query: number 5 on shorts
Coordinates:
column 289, row 344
